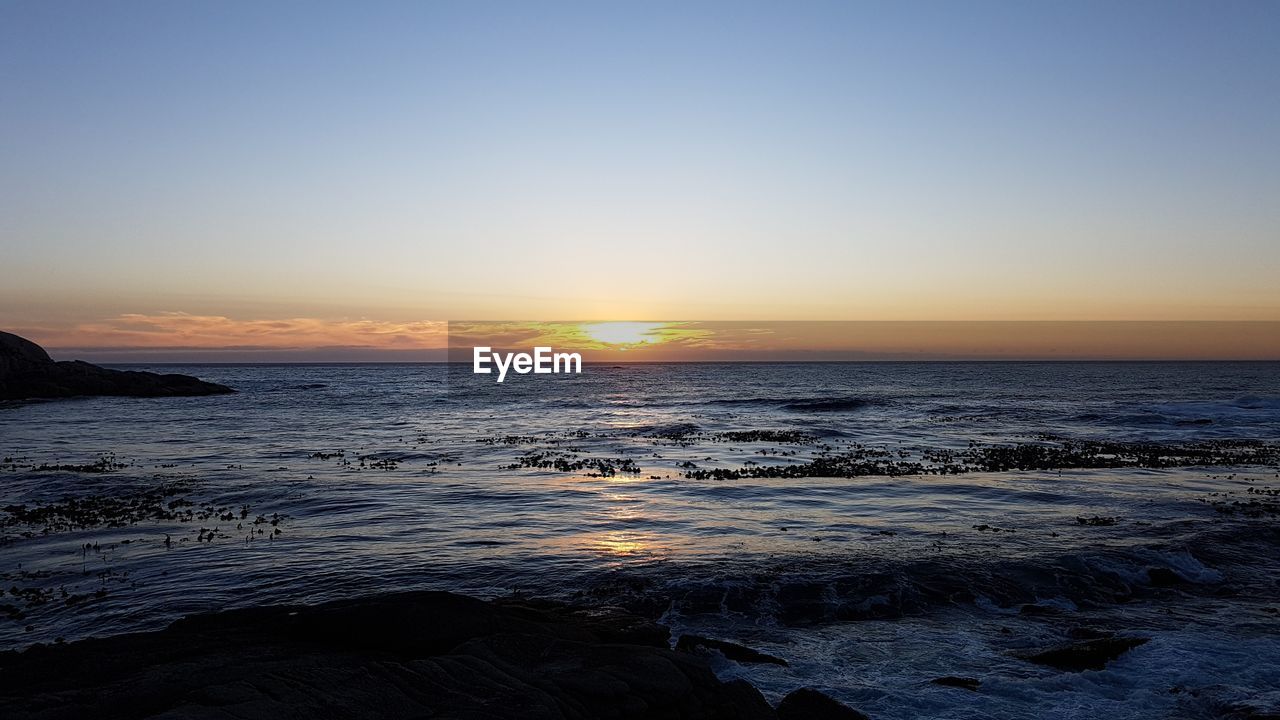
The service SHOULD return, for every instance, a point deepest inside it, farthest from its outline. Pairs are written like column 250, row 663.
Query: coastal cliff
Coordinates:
column 27, row 372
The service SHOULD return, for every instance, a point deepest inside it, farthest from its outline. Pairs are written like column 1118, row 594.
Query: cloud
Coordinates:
column 183, row 330
column 622, row 336
column 360, row 339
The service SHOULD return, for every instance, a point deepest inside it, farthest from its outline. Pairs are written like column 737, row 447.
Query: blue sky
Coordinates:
column 429, row 160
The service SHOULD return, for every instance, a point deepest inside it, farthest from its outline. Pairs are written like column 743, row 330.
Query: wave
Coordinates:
column 804, row 405
column 1255, row 402
column 675, row 430
column 822, row 590
column 829, row 405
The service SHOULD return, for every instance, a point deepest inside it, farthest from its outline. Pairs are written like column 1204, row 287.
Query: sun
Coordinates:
column 624, row 333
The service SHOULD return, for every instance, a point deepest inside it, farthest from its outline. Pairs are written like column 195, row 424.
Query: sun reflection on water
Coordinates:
column 622, row 544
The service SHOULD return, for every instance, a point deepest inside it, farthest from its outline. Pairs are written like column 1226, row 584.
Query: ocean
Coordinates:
column 878, row 525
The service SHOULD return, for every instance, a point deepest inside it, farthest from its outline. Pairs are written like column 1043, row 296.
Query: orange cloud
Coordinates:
column 156, row 333
column 856, row 340
column 177, row 329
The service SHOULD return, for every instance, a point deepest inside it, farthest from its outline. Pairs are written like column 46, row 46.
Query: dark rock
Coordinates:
column 410, row 655
column 746, row 700
column 608, row 624
column 803, row 603
column 958, row 682
column 1085, row 655
column 809, row 704
column 1097, row 521
column 732, row 651
column 1163, row 577
column 27, row 371
column 18, row 354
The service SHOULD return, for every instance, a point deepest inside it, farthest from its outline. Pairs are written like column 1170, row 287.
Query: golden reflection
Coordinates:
column 620, row 544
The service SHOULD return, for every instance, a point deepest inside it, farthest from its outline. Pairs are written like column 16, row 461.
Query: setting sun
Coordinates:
column 624, row 333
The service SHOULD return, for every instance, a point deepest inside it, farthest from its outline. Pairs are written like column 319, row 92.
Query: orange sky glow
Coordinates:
column 186, row 337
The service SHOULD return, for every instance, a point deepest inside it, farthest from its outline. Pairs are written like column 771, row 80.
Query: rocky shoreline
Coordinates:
column 408, row 655
column 27, row 372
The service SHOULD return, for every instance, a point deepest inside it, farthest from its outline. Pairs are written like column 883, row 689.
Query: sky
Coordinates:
column 834, row 340
column 295, row 175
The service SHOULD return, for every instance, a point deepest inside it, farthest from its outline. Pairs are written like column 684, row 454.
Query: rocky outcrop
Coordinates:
column 731, row 651
column 27, row 371
column 18, row 354
column 411, row 655
column 810, row 704
column 1085, row 655
column 964, row 683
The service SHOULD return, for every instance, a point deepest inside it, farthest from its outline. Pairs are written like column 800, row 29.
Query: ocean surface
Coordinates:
column 1139, row 499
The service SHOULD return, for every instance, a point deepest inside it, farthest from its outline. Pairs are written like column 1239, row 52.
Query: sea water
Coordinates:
column 316, row 482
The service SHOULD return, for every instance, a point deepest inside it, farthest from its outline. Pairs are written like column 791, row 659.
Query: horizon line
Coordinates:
column 796, row 361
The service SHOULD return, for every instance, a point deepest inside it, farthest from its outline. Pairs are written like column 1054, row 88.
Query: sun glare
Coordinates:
column 624, row 333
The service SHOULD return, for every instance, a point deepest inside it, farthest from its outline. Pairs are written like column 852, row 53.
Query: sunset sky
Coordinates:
column 286, row 176
column 829, row 340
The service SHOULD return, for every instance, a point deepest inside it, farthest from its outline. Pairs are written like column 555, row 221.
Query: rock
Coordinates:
column 809, row 704
column 1163, row 577
column 747, row 700
column 1097, row 521
column 18, row 354
column 27, row 371
column 957, row 682
column 732, row 651
column 1085, row 655
column 609, row 624
column 408, row 655
column 803, row 603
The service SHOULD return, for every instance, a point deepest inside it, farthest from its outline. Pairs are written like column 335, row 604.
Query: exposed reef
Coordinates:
column 27, row 372
column 1046, row 454
column 800, row 454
